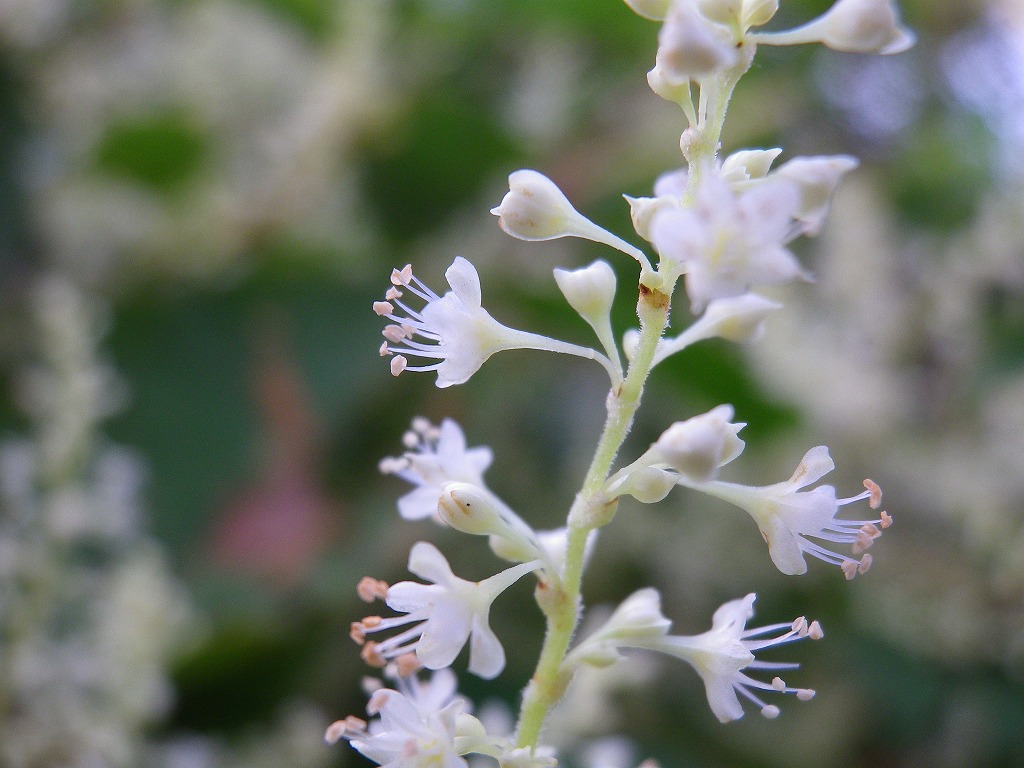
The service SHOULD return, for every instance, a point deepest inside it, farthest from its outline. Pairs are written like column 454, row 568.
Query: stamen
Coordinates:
column 805, row 694
column 377, row 701
column 384, row 351
column 815, row 632
column 875, row 493
column 800, row 626
column 349, row 728
column 886, row 519
column 398, row 364
column 407, row 664
column 865, row 564
column 383, row 308
column 369, row 588
column 849, row 568
column 371, row 656
column 778, row 684
column 403, row 277
column 770, row 711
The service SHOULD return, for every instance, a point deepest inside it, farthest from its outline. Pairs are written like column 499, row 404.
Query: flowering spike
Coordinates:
column 435, row 456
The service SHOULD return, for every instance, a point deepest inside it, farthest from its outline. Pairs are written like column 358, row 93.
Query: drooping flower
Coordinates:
column 435, row 456
column 789, row 517
column 415, row 726
column 444, row 614
column 454, row 329
column 723, row 655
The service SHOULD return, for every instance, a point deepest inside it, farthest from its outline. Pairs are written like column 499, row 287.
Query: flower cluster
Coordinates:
column 719, row 229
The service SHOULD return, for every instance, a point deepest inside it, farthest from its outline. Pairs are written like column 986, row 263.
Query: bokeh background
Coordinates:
column 200, row 199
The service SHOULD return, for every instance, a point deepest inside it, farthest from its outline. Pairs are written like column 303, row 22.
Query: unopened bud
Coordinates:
column 697, row 447
column 468, row 508
column 590, row 291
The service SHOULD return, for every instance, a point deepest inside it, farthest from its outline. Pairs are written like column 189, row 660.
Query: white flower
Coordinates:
column 855, row 26
column 445, row 614
column 729, row 242
column 722, row 654
column 787, row 516
column 453, row 329
column 416, row 726
column 435, row 457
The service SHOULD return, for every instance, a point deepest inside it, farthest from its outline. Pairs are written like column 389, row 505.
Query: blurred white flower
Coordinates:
column 854, row 26
column 436, row 456
column 729, row 242
column 415, row 726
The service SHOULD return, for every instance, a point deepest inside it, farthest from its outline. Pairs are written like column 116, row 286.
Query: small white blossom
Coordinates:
column 816, row 178
column 436, row 456
column 723, row 655
column 415, row 726
column 445, row 614
column 855, row 26
column 453, row 329
column 789, row 517
column 729, row 242
column 739, row 319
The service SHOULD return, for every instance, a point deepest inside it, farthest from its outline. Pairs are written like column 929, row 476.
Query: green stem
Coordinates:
column 561, row 603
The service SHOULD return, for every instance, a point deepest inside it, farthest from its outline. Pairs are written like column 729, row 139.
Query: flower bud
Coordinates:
column 739, row 319
column 590, row 290
column 648, row 485
column 758, row 12
column 817, row 178
column 535, row 208
column 643, row 209
column 864, row 26
column 678, row 92
column 690, row 47
column 468, row 508
column 748, row 164
column 650, row 9
column 697, row 447
column 723, row 11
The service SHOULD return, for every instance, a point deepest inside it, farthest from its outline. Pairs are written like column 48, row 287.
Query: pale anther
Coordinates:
column 875, row 499
column 865, row 564
column 886, row 519
column 398, row 365
column 770, row 712
column 815, row 632
column 370, row 589
column 805, row 694
column 383, row 308
column 778, row 684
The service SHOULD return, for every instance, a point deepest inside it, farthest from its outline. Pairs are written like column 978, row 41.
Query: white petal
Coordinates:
column 427, row 562
column 420, row 503
column 444, row 634
column 486, row 656
column 722, row 698
column 409, row 596
column 465, row 282
column 783, row 546
column 815, row 464
column 734, row 614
